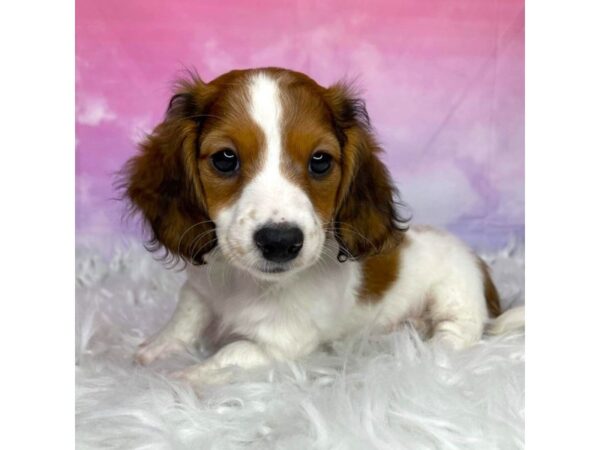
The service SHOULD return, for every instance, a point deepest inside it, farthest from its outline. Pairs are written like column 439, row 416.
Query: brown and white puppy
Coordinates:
column 271, row 187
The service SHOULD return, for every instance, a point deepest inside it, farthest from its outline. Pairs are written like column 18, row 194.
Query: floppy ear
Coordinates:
column 367, row 221
column 162, row 181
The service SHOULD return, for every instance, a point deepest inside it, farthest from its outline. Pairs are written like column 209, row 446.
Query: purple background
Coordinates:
column 443, row 81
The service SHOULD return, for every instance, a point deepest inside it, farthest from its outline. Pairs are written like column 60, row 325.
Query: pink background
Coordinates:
column 443, row 81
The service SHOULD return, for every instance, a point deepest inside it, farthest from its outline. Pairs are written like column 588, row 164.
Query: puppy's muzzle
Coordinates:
column 279, row 243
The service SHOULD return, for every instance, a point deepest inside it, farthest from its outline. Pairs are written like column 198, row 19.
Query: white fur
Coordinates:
column 512, row 319
column 273, row 317
column 438, row 280
column 381, row 391
column 270, row 197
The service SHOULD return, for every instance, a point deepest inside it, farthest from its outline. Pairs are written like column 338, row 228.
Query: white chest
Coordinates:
column 294, row 315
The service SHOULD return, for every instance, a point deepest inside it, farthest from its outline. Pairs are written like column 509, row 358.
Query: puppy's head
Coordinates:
column 272, row 168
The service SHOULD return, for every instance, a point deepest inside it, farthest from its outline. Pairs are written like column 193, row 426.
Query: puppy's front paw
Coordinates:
column 450, row 341
column 202, row 374
column 158, row 347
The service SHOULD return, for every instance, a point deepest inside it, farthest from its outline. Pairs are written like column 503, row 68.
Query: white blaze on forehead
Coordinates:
column 270, row 196
column 266, row 111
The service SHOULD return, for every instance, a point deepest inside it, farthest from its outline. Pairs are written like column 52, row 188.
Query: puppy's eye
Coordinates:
column 226, row 161
column 320, row 163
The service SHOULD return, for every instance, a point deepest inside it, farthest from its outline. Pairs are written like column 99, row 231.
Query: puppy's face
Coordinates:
column 267, row 165
column 270, row 167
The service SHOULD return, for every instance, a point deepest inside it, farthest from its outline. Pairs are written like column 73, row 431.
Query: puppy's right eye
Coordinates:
column 319, row 163
column 226, row 161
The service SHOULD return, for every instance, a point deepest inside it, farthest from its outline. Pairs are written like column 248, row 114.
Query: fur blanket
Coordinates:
column 382, row 392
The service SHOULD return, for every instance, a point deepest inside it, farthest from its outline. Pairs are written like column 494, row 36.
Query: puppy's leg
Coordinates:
column 192, row 315
column 219, row 367
column 458, row 313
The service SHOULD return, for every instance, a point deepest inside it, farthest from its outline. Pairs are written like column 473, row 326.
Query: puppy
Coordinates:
column 270, row 187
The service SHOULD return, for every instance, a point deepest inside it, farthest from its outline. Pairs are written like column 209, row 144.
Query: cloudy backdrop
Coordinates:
column 443, row 81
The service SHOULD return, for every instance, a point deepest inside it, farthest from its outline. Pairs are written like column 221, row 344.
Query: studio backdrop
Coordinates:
column 443, row 83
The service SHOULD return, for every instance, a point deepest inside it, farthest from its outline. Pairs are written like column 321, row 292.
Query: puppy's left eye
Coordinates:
column 320, row 163
column 226, row 161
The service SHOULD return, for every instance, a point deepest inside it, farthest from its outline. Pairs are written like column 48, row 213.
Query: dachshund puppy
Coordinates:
column 270, row 187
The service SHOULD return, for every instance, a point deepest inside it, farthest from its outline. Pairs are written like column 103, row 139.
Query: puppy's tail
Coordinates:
column 510, row 320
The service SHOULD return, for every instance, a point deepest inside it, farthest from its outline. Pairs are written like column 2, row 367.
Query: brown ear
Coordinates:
column 368, row 221
column 162, row 181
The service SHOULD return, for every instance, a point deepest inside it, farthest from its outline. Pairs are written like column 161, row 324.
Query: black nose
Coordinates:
column 279, row 243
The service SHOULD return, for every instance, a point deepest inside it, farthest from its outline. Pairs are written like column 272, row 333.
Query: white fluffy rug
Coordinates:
column 381, row 392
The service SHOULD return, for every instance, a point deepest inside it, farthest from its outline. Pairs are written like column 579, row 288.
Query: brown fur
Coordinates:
column 367, row 221
column 307, row 128
column 162, row 183
column 229, row 125
column 492, row 297
column 379, row 273
column 173, row 184
column 172, row 181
